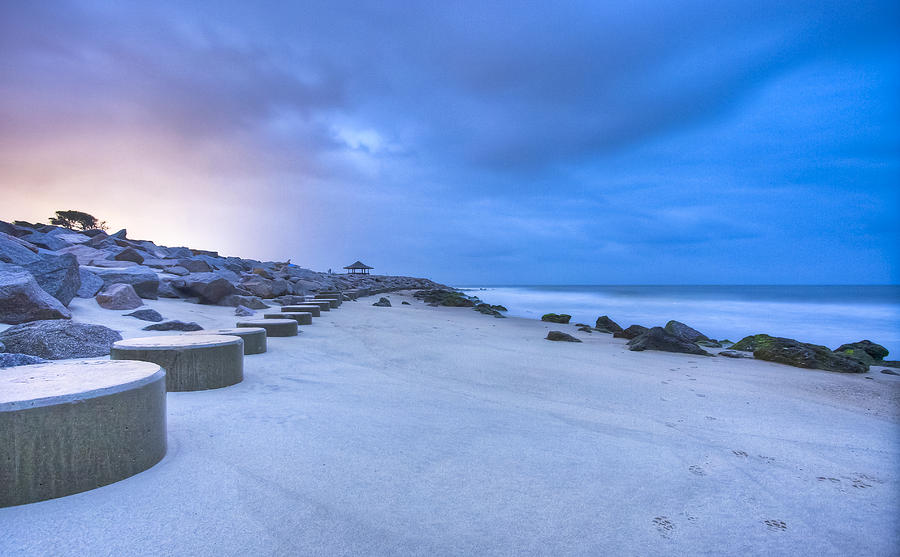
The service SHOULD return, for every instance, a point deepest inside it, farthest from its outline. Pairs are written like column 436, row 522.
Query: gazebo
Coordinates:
column 358, row 268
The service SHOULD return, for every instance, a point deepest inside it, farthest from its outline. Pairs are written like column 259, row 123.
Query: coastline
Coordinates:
column 436, row 430
column 824, row 315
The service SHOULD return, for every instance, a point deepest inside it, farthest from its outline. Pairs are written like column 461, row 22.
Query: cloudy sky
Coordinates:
column 470, row 142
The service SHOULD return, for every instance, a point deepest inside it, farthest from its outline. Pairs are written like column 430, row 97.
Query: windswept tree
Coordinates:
column 77, row 220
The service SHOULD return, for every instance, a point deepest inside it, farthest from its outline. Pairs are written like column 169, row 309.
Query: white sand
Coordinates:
column 440, row 431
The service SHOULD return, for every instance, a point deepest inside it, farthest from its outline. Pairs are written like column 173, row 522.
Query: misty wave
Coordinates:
column 827, row 315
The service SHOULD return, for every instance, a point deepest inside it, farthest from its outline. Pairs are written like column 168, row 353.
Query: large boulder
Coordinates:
column 209, row 288
column 876, row 351
column 84, row 254
column 606, row 325
column 561, row 318
column 195, row 265
column 23, row 300
column 90, row 283
column 799, row 354
column 119, row 296
column 679, row 329
column 129, row 254
column 560, row 336
column 632, row 331
column 143, row 279
column 58, row 275
column 660, row 339
column 15, row 251
column 57, row 340
column 382, row 303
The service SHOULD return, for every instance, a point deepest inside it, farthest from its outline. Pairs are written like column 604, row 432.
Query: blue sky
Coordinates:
column 492, row 143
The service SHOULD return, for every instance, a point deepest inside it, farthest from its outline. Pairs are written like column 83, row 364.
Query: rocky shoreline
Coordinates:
column 44, row 267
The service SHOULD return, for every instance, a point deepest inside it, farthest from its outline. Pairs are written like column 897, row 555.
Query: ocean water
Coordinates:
column 827, row 315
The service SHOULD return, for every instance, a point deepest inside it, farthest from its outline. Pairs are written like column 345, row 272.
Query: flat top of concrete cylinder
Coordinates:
column 175, row 341
column 266, row 322
column 289, row 313
column 235, row 331
column 68, row 381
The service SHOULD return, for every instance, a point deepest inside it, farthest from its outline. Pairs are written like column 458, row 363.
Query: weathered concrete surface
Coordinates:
column 333, row 301
column 302, row 318
column 324, row 305
column 254, row 337
column 68, row 427
column 192, row 362
column 315, row 310
column 273, row 327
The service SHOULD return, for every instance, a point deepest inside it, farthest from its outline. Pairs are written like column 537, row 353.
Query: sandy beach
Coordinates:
column 422, row 430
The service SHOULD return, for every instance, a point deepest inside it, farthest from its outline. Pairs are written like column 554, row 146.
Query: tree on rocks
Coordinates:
column 77, row 220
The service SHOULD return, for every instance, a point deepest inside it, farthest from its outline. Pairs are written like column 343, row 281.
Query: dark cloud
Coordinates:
column 502, row 131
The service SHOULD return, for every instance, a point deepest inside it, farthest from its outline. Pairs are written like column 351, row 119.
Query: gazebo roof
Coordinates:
column 358, row 265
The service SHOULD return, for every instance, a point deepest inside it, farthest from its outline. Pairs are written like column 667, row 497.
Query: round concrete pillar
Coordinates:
column 273, row 327
column 254, row 337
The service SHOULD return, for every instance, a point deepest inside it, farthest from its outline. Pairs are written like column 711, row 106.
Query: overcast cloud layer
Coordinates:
column 613, row 142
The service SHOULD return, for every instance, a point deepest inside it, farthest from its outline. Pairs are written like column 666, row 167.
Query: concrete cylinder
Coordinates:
column 254, row 337
column 334, row 298
column 192, row 362
column 323, row 305
column 273, row 327
column 302, row 318
column 315, row 310
column 332, row 302
column 71, row 426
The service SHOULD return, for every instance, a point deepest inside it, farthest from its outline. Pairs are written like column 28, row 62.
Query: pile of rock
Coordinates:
column 678, row 337
column 43, row 267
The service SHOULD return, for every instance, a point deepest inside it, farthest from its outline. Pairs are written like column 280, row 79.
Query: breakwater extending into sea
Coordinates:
column 827, row 315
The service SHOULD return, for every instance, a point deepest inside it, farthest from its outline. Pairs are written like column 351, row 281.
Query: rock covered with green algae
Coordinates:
column 562, row 318
column 798, row 354
column 875, row 352
column 450, row 298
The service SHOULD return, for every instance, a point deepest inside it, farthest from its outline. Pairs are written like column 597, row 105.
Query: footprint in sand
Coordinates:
column 700, row 395
column 742, row 454
column 664, row 526
column 696, row 470
column 710, row 418
column 767, row 459
column 776, row 525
